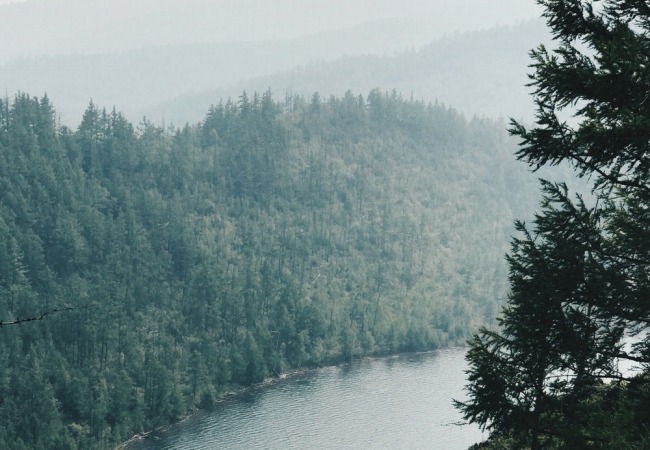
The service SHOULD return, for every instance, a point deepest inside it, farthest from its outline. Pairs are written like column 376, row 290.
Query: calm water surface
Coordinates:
column 402, row 402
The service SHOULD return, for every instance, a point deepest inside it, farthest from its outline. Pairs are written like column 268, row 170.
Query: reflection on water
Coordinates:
column 402, row 402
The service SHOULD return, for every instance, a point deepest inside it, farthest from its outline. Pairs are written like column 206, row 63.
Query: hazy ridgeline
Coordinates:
column 480, row 72
column 271, row 235
column 477, row 73
column 35, row 28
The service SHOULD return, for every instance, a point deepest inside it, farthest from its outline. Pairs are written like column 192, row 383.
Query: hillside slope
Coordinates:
column 269, row 236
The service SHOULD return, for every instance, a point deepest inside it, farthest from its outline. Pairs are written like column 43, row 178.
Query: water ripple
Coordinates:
column 400, row 402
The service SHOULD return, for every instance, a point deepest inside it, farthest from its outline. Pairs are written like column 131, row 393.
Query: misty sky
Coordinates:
column 136, row 54
column 34, row 27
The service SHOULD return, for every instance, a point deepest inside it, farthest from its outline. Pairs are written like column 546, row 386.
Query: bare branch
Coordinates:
column 40, row 317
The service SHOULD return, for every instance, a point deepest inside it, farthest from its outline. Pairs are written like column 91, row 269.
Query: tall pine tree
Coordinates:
column 579, row 277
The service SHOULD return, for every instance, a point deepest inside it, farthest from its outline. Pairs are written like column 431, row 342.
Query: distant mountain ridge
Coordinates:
column 478, row 73
column 134, row 80
column 59, row 27
column 481, row 73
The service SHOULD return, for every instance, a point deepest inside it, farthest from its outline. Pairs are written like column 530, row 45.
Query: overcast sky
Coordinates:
column 34, row 27
column 76, row 50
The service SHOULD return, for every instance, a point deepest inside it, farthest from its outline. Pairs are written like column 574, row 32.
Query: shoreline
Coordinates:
column 270, row 381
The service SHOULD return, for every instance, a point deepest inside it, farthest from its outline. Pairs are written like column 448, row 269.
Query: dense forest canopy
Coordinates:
column 272, row 235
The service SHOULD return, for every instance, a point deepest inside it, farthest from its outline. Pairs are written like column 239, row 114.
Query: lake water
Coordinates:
column 403, row 402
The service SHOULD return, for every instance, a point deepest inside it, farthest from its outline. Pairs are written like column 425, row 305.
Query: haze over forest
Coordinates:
column 218, row 192
column 169, row 60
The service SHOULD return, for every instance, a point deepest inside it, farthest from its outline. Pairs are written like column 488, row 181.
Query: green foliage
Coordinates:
column 198, row 260
column 577, row 306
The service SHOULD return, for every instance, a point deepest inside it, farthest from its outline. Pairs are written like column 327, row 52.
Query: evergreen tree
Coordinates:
column 579, row 279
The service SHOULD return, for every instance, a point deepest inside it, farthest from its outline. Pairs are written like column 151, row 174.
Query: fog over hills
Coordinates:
column 477, row 73
column 145, row 58
column 481, row 72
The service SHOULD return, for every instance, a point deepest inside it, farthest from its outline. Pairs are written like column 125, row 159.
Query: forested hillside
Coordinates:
column 267, row 237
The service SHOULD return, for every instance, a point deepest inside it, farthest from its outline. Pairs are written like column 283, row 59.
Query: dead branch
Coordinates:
column 37, row 318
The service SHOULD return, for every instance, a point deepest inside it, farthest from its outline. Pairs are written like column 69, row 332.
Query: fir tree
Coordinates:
column 579, row 283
